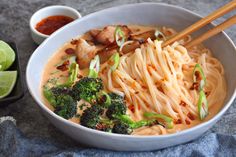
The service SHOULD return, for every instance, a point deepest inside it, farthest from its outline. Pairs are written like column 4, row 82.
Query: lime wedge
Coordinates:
column 2, row 60
column 7, row 82
column 9, row 54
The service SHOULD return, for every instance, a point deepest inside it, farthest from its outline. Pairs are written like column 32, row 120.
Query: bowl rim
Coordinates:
column 132, row 137
column 32, row 26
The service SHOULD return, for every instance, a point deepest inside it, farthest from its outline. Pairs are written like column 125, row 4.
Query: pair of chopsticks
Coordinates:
column 203, row 22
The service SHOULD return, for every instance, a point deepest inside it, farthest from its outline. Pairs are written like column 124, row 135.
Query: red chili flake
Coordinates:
column 64, row 66
column 198, row 76
column 74, row 42
column 139, row 107
column 131, row 107
column 70, row 51
column 190, row 116
column 177, row 121
column 101, row 127
column 144, row 87
column 194, row 86
column 182, row 103
column 160, row 89
column 187, row 122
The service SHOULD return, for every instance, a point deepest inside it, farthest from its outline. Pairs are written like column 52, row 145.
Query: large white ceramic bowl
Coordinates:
column 144, row 14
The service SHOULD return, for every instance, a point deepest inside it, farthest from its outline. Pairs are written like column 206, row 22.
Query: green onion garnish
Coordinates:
column 159, row 35
column 168, row 122
column 114, row 61
column 119, row 36
column 73, row 72
column 198, row 76
column 202, row 105
column 94, row 67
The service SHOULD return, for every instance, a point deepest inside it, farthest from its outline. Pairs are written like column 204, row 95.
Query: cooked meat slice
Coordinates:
column 85, row 53
column 107, row 52
column 130, row 47
column 94, row 32
column 142, row 37
column 106, row 36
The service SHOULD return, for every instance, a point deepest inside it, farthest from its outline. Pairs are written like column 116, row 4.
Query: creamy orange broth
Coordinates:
column 57, row 58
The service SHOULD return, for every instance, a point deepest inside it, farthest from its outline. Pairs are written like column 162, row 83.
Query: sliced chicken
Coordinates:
column 106, row 36
column 130, row 47
column 142, row 37
column 107, row 52
column 85, row 53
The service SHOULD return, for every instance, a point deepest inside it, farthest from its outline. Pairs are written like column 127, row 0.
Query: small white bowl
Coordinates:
column 46, row 12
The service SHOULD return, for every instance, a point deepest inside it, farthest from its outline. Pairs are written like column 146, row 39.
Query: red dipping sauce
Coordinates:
column 52, row 23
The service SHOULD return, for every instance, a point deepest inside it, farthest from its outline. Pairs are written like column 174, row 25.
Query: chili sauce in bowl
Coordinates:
column 52, row 23
column 47, row 20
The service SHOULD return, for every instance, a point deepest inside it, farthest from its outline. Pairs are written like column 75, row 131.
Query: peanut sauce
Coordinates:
column 52, row 23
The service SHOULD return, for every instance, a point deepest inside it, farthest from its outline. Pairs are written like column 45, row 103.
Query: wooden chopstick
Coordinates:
column 216, row 14
column 231, row 21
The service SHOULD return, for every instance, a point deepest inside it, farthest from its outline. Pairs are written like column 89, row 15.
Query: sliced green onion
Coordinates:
column 72, row 59
column 158, row 33
column 167, row 120
column 202, row 105
column 119, row 36
column 114, row 61
column 142, row 123
column 73, row 72
column 124, row 118
column 94, row 67
column 198, row 72
column 134, row 125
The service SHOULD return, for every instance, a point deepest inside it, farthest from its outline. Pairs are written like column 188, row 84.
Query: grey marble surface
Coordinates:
column 14, row 26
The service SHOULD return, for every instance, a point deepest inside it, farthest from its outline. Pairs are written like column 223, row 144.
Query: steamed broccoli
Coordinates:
column 116, row 109
column 92, row 117
column 59, row 97
column 88, row 88
column 115, row 98
column 121, row 128
column 117, row 106
column 125, row 125
column 65, row 106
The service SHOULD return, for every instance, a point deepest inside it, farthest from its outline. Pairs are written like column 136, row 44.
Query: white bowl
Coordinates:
column 49, row 11
column 145, row 14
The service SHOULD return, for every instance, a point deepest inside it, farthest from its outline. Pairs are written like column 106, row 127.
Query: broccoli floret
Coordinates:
column 116, row 98
column 121, row 128
column 65, row 106
column 60, row 90
column 117, row 106
column 125, row 125
column 116, row 109
column 59, row 97
column 88, row 88
column 92, row 118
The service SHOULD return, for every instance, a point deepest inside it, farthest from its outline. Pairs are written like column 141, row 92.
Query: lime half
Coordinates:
column 9, row 54
column 2, row 60
column 7, row 82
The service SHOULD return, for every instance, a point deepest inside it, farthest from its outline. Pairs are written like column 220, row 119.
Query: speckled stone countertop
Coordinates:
column 14, row 26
